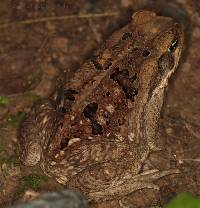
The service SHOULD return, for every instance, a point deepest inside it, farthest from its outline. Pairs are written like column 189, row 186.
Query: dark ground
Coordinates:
column 33, row 55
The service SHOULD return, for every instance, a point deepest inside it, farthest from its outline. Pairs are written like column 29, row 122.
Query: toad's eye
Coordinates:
column 173, row 46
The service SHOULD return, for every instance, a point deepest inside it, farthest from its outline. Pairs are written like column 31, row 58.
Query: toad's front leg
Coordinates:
column 131, row 183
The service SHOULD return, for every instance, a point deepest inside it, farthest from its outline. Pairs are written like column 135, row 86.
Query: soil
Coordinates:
column 34, row 54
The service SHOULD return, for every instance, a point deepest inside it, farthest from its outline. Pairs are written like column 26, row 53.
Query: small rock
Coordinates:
column 60, row 199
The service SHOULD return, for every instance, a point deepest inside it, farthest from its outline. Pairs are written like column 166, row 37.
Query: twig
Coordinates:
column 188, row 159
column 45, row 19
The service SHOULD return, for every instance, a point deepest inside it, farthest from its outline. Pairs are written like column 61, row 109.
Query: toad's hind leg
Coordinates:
column 129, row 184
column 36, row 130
column 40, row 126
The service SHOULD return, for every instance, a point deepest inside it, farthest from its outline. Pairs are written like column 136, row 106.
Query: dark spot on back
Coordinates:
column 69, row 94
column 96, row 128
column 125, row 82
column 96, row 64
column 130, row 93
column 127, row 35
column 90, row 110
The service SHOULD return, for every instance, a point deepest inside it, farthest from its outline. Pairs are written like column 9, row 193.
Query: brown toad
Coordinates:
column 100, row 128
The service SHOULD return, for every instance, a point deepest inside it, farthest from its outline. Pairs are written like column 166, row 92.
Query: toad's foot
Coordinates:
column 130, row 184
